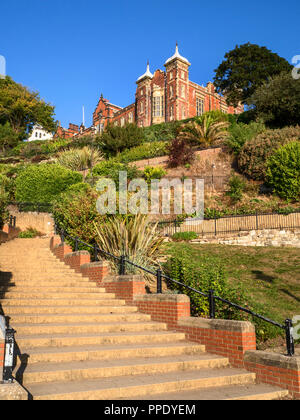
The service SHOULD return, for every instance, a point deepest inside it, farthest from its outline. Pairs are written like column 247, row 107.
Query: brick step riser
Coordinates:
column 92, row 329
column 114, row 371
column 64, row 319
column 34, row 343
column 115, row 354
column 152, row 389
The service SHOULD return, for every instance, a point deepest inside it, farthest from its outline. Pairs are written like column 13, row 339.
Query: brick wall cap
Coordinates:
column 217, row 324
column 77, row 254
column 272, row 359
column 94, row 265
column 127, row 278
column 155, row 297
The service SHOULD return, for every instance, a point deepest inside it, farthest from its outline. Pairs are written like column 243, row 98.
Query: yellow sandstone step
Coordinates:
column 129, row 387
column 52, row 289
column 39, row 310
column 88, row 353
column 101, row 300
column 76, row 371
column 40, row 329
column 50, row 295
column 28, row 342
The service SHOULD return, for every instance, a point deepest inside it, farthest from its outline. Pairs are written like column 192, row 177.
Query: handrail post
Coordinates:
column 122, row 270
column 15, row 221
column 212, row 304
column 159, row 281
column 62, row 236
column 290, row 344
column 76, row 243
column 95, row 252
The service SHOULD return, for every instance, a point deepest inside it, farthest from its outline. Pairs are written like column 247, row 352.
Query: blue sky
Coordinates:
column 72, row 50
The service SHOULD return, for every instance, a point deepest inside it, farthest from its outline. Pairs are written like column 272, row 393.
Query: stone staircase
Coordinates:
column 78, row 342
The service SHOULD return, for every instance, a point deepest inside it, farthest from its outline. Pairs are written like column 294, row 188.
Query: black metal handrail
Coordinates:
column 212, row 298
column 12, row 221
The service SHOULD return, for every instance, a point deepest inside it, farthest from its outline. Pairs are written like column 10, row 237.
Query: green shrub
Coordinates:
column 237, row 187
column 161, row 132
column 43, row 183
column 111, row 168
column 283, row 171
column 29, row 233
column 3, row 207
column 255, row 153
column 144, row 151
column 115, row 139
column 180, row 152
column 75, row 212
column 209, row 275
column 78, row 188
column 151, row 173
column 184, row 236
column 240, row 133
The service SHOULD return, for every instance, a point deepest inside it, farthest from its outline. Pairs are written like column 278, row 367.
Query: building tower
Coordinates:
column 143, row 98
column 177, row 87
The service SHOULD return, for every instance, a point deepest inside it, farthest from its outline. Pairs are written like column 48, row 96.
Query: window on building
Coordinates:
column 158, row 106
column 142, row 92
column 183, row 91
column 122, row 122
column 171, row 75
column 130, row 117
column 142, row 107
column 183, row 111
column 182, row 75
column 171, row 112
column 200, row 106
column 171, row 91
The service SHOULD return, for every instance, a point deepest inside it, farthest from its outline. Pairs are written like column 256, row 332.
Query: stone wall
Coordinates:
column 267, row 237
column 43, row 222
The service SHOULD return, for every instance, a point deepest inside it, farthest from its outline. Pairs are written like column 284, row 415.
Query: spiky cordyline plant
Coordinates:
column 134, row 237
column 80, row 159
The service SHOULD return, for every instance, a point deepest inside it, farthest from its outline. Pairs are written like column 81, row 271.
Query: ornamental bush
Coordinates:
column 240, row 133
column 283, row 171
column 111, row 168
column 255, row 153
column 144, row 151
column 43, row 183
column 184, row 236
column 181, row 153
column 115, row 139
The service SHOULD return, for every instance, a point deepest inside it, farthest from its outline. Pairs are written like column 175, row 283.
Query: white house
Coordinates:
column 38, row 133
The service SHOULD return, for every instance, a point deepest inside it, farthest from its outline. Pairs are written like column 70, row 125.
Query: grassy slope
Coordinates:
column 270, row 276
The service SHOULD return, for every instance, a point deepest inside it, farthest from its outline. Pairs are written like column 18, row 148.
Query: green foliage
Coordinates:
column 164, row 132
column 184, row 236
column 236, row 188
column 240, row 133
column 283, row 171
column 80, row 159
column 8, row 137
column 43, row 183
column 115, row 139
column 144, row 151
column 111, row 168
column 277, row 101
column 244, row 69
column 75, row 211
column 3, row 207
column 208, row 275
column 29, row 233
column 255, row 153
column 151, row 173
column 81, row 187
column 23, row 108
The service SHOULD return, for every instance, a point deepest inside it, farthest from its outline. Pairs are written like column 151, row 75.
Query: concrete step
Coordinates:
column 103, row 300
column 76, row 371
column 109, row 353
column 77, row 318
column 129, row 387
column 61, row 340
column 39, row 310
column 232, row 392
column 40, row 329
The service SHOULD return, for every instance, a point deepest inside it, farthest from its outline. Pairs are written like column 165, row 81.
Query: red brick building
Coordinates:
column 162, row 97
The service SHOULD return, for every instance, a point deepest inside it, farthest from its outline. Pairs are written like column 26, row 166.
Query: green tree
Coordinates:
column 23, row 108
column 283, row 171
column 277, row 101
column 115, row 139
column 8, row 137
column 244, row 69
